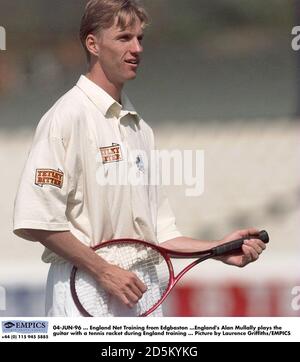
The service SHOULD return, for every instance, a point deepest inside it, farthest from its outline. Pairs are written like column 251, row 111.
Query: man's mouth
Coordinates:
column 132, row 61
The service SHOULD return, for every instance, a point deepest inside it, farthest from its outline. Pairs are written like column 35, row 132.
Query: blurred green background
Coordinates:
column 226, row 59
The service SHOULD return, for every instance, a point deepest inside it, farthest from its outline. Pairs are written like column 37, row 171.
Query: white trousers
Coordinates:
column 59, row 301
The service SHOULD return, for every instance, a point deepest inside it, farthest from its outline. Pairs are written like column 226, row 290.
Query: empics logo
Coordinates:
column 9, row 325
column 24, row 327
column 2, row 38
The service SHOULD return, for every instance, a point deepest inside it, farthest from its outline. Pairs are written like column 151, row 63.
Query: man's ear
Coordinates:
column 92, row 44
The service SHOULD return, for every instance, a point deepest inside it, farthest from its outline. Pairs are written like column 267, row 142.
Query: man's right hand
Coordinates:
column 123, row 284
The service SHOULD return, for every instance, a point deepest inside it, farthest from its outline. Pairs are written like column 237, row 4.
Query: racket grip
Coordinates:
column 237, row 244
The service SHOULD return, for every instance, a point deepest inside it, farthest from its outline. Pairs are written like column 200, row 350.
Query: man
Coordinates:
column 61, row 202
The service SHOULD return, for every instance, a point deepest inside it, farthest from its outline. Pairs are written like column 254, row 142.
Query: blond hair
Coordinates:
column 101, row 14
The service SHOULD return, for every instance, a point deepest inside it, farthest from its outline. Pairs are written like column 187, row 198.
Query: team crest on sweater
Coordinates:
column 111, row 153
column 48, row 176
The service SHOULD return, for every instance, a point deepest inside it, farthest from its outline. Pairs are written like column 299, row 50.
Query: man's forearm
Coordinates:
column 71, row 249
column 249, row 252
column 185, row 244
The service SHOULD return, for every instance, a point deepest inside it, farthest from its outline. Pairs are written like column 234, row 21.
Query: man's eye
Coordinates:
column 125, row 38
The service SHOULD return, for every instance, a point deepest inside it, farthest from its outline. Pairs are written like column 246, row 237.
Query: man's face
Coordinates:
column 120, row 52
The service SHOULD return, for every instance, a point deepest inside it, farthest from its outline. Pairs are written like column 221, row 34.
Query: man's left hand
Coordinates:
column 250, row 251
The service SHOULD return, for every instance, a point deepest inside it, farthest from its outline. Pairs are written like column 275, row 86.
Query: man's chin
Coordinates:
column 128, row 77
column 132, row 76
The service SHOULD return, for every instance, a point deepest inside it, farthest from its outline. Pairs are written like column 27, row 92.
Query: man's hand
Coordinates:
column 250, row 251
column 123, row 284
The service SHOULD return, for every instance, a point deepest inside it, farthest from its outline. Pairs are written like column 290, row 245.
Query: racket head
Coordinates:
column 148, row 261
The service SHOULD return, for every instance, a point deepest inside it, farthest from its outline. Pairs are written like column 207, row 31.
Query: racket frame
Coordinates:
column 167, row 255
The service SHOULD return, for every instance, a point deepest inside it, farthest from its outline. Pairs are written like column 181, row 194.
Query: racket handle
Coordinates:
column 237, row 244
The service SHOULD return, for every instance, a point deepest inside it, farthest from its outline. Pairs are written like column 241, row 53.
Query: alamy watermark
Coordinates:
column 2, row 298
column 119, row 166
column 296, row 40
column 296, row 300
column 2, row 38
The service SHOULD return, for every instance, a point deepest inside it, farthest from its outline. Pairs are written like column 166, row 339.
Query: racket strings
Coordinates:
column 146, row 262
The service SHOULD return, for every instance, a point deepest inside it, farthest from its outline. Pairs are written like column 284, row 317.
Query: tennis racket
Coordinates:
column 153, row 266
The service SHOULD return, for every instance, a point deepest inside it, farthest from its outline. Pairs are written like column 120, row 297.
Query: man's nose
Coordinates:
column 136, row 47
